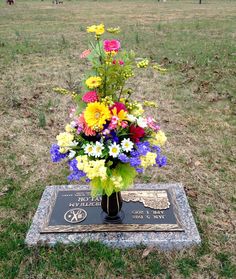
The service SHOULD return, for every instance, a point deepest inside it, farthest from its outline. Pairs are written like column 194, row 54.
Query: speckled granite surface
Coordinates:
column 162, row 240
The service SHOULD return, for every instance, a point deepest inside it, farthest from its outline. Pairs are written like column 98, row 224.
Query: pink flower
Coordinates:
column 90, row 97
column 114, row 120
column 124, row 124
column 72, row 112
column 85, row 53
column 151, row 122
column 106, row 132
column 121, row 62
column 111, row 45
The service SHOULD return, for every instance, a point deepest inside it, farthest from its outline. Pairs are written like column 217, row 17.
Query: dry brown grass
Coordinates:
column 198, row 121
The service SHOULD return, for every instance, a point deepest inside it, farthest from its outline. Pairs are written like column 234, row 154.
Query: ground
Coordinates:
column 40, row 44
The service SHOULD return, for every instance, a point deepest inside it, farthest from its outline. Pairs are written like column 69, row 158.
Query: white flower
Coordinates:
column 88, row 149
column 142, row 122
column 127, row 145
column 71, row 154
column 97, row 149
column 131, row 118
column 114, row 150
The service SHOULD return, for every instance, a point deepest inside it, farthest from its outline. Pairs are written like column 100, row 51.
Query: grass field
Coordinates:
column 40, row 44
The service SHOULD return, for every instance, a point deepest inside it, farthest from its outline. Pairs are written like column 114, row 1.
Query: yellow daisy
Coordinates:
column 93, row 82
column 96, row 114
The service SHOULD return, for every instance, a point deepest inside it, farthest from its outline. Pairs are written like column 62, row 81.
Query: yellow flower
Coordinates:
column 148, row 160
column 96, row 114
column 63, row 91
column 115, row 30
column 158, row 138
column 150, row 104
column 107, row 101
column 68, row 128
column 137, row 110
column 123, row 100
column 143, row 64
column 98, row 29
column 159, row 68
column 91, row 29
column 93, row 82
column 92, row 169
column 64, row 140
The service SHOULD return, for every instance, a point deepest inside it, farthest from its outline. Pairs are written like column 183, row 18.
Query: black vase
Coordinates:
column 111, row 207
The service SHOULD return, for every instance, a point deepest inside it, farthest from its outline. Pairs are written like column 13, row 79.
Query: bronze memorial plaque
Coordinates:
column 142, row 210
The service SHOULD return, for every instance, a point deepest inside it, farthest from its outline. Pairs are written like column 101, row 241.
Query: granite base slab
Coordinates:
column 162, row 240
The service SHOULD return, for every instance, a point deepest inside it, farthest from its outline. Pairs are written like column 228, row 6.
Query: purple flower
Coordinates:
column 139, row 170
column 156, row 149
column 134, row 161
column 134, row 153
column 73, row 165
column 56, row 156
column 123, row 158
column 161, row 161
column 143, row 147
column 114, row 136
column 76, row 174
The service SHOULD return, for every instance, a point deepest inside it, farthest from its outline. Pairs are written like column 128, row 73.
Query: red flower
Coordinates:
column 90, row 97
column 121, row 62
column 119, row 107
column 136, row 133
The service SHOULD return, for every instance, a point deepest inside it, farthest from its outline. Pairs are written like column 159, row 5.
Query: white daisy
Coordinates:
column 127, row 145
column 142, row 122
column 88, row 149
column 97, row 149
column 114, row 150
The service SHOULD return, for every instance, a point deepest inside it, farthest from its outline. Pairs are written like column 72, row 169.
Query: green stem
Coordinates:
column 121, row 90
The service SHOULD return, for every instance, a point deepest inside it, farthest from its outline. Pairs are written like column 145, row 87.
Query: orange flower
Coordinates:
column 86, row 129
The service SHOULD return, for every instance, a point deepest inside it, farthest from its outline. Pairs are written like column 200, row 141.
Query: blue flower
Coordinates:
column 56, row 156
column 134, row 161
column 123, row 158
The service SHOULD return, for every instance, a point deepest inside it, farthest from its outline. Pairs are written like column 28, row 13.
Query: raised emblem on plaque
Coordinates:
column 75, row 215
column 154, row 199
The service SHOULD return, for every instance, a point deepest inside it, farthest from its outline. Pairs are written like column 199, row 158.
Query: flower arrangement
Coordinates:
column 110, row 139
